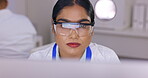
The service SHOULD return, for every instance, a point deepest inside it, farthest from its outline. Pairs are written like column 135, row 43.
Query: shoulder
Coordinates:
column 103, row 52
column 42, row 53
column 22, row 22
column 8, row 15
column 20, row 17
column 102, row 49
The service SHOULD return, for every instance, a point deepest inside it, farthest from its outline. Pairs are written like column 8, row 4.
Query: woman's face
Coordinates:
column 73, row 45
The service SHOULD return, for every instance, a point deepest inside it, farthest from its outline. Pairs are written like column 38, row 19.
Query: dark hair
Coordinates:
column 1, row 1
column 3, row 4
column 83, row 3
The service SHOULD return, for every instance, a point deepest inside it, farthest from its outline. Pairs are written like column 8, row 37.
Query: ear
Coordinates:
column 53, row 31
column 92, row 31
column 92, row 34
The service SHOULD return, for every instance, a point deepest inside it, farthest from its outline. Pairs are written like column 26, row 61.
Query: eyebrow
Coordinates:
column 83, row 20
column 66, row 20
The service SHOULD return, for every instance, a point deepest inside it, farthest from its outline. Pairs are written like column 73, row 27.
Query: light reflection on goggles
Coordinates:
column 73, row 25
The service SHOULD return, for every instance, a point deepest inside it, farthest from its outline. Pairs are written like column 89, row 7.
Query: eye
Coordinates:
column 83, row 26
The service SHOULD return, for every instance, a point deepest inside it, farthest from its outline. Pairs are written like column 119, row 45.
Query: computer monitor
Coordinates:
column 73, row 69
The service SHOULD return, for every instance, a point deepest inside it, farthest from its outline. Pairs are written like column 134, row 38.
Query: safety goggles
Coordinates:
column 65, row 29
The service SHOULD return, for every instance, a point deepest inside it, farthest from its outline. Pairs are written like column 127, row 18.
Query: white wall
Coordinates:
column 18, row 6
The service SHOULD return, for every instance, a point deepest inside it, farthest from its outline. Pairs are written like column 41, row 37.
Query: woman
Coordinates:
column 73, row 22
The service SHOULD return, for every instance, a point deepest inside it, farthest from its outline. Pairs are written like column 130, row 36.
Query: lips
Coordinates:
column 73, row 45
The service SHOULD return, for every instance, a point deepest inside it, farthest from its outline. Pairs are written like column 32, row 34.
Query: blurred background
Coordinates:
column 126, row 32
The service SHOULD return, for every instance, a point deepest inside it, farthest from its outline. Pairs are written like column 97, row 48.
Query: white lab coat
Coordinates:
column 16, row 35
column 100, row 54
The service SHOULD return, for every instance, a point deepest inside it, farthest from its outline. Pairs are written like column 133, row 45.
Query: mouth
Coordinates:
column 73, row 45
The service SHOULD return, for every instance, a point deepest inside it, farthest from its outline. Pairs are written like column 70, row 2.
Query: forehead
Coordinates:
column 73, row 13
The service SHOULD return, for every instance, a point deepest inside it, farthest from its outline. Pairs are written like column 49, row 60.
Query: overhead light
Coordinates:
column 105, row 9
column 111, row 14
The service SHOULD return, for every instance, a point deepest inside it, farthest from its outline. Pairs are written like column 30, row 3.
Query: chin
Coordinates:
column 73, row 51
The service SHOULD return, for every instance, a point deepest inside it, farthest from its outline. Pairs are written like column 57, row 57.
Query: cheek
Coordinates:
column 60, row 39
column 86, row 40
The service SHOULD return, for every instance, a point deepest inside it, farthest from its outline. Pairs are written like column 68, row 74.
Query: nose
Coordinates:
column 74, row 34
